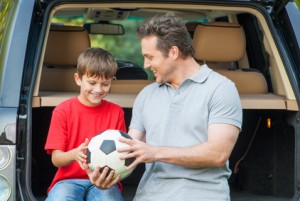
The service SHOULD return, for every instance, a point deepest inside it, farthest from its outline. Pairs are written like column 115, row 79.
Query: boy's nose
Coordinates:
column 98, row 88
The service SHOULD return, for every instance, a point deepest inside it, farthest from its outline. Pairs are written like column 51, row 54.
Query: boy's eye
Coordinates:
column 106, row 84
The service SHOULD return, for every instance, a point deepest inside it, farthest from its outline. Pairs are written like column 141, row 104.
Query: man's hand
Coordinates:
column 143, row 152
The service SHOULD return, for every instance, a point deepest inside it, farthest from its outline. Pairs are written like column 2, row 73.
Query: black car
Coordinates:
column 40, row 41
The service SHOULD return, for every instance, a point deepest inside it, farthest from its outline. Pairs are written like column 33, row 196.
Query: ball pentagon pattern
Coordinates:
column 102, row 151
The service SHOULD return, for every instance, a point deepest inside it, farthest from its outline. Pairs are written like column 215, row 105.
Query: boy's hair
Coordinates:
column 96, row 62
column 170, row 31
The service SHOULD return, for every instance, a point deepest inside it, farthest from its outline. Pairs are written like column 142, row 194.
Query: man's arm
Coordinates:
column 213, row 153
column 136, row 134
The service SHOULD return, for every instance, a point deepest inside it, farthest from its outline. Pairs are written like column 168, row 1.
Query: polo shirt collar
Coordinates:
column 202, row 74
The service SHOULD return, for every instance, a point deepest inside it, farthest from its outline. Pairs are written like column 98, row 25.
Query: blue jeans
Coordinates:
column 82, row 190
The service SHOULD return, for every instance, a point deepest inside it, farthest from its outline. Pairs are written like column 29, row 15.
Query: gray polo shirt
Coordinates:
column 180, row 118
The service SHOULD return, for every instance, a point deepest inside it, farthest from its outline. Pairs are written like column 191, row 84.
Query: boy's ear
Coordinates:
column 77, row 79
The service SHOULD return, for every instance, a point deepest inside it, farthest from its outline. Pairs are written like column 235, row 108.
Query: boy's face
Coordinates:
column 92, row 89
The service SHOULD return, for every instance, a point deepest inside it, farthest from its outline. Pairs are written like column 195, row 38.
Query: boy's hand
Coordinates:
column 79, row 153
column 103, row 180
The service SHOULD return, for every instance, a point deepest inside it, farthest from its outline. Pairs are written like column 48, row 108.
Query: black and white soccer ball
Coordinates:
column 102, row 151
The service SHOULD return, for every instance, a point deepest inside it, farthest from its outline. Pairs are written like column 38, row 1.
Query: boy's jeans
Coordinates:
column 82, row 190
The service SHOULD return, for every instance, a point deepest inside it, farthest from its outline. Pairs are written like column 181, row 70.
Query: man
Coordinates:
column 185, row 125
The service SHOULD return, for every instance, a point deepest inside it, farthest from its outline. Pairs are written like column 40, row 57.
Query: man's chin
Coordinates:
column 160, row 81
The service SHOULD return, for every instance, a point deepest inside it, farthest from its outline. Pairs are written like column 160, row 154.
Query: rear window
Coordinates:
column 123, row 47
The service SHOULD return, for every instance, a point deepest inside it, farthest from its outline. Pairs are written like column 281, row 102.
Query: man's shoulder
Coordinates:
column 216, row 79
column 150, row 88
column 147, row 92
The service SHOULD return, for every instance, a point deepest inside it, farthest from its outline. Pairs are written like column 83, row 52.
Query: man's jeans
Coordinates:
column 82, row 190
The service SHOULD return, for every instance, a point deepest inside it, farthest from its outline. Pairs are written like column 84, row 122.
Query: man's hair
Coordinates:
column 96, row 62
column 170, row 30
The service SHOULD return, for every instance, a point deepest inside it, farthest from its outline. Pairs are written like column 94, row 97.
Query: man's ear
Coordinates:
column 174, row 52
column 77, row 79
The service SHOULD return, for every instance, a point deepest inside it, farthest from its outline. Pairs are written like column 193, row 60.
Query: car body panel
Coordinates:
column 14, row 52
column 23, row 52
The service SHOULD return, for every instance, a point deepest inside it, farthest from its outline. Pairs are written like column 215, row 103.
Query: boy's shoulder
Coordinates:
column 69, row 102
column 66, row 105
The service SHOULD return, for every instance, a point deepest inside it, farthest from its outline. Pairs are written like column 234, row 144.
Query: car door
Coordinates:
column 286, row 18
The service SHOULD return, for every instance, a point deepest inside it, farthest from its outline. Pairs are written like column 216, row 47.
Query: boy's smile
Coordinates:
column 92, row 89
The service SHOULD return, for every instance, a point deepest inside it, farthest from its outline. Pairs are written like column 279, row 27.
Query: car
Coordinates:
column 253, row 43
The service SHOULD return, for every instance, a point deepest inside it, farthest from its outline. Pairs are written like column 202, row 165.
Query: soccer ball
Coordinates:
column 102, row 151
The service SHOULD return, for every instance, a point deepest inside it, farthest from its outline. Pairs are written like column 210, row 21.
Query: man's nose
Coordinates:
column 146, row 65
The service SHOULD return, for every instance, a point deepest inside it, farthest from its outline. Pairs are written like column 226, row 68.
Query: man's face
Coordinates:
column 92, row 89
column 154, row 60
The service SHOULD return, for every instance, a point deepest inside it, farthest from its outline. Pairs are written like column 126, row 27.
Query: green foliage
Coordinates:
column 125, row 47
column 298, row 4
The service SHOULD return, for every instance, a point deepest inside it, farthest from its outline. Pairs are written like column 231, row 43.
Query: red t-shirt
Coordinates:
column 72, row 122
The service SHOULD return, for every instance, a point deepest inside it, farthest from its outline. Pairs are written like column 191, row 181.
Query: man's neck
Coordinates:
column 185, row 69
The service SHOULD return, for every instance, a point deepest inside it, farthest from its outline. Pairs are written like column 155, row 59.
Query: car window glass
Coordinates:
column 5, row 7
column 116, row 44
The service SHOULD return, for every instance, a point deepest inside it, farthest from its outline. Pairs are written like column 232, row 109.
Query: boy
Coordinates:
column 77, row 120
